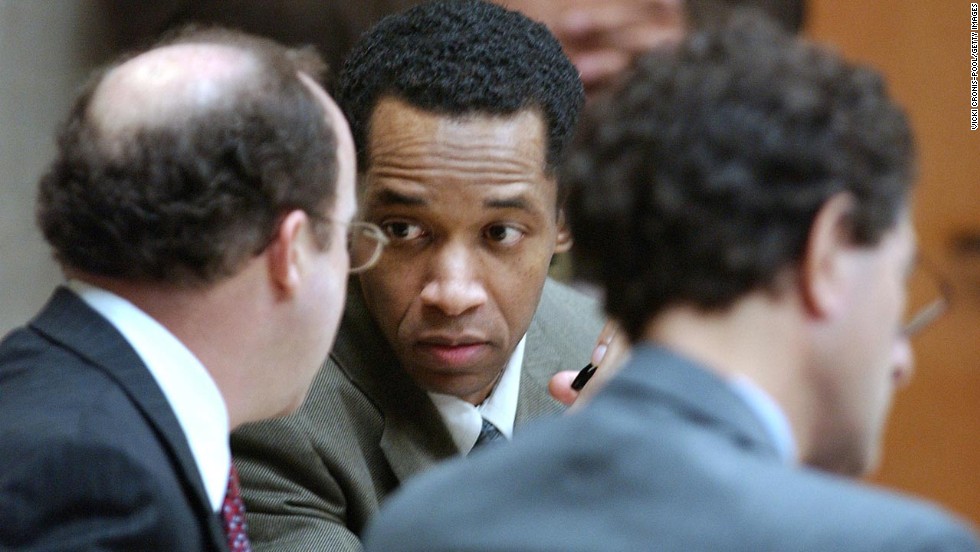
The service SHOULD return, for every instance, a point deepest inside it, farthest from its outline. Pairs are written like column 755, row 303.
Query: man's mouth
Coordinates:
column 453, row 351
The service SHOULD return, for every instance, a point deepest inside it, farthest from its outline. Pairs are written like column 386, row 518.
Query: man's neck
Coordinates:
column 209, row 320
column 760, row 338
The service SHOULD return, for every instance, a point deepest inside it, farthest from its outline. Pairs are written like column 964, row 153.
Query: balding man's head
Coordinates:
column 176, row 164
column 168, row 87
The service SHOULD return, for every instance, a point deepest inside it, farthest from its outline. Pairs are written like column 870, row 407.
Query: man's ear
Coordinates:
column 824, row 273
column 563, row 241
column 286, row 253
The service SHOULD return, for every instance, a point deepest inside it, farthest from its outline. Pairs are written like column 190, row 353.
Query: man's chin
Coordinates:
column 469, row 386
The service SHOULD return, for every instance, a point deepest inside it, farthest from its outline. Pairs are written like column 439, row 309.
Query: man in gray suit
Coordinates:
column 461, row 111
column 744, row 202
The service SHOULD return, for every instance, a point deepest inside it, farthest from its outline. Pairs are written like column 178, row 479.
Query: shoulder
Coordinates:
column 559, row 297
column 70, row 482
column 774, row 505
column 50, row 390
column 623, row 486
column 57, row 405
column 859, row 516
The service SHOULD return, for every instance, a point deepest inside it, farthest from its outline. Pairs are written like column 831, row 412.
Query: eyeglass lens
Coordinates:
column 365, row 242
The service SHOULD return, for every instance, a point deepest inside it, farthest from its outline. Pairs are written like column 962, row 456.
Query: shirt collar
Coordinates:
column 186, row 384
column 464, row 420
column 769, row 413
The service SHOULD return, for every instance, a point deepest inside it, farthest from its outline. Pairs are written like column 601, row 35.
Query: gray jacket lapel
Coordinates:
column 541, row 361
column 414, row 436
column 561, row 337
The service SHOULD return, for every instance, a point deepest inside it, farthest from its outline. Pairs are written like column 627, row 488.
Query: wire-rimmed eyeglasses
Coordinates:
column 936, row 292
column 365, row 243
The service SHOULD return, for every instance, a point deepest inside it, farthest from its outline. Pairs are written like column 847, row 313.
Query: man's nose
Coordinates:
column 455, row 283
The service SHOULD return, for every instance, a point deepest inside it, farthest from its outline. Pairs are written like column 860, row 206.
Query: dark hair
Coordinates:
column 462, row 57
column 188, row 202
column 697, row 181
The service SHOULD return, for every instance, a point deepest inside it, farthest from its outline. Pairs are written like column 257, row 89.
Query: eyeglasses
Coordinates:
column 929, row 298
column 365, row 242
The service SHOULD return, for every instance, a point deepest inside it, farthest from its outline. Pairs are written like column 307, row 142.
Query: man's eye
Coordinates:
column 401, row 230
column 503, row 234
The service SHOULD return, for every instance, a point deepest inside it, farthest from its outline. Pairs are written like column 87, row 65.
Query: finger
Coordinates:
column 560, row 387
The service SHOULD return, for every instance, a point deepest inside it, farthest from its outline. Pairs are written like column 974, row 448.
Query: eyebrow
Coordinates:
column 391, row 197
column 518, row 202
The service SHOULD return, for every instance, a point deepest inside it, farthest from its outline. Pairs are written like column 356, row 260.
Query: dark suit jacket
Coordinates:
column 312, row 480
column 667, row 457
column 91, row 455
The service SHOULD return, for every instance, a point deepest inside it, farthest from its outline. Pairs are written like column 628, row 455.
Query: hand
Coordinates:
column 609, row 354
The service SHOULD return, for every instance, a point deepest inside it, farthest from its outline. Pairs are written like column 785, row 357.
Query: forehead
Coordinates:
column 435, row 161
column 403, row 135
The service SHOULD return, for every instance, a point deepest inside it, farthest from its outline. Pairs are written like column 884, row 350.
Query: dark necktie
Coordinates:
column 488, row 434
column 233, row 515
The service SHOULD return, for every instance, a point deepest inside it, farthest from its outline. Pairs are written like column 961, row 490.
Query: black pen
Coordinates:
column 583, row 377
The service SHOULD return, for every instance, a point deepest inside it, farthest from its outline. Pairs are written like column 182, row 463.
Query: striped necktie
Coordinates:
column 488, row 434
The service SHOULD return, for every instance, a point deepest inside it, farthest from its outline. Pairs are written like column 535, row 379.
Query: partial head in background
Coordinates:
column 750, row 162
column 212, row 162
column 603, row 37
column 461, row 111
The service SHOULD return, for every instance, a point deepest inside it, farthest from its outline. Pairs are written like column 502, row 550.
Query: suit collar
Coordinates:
column 190, row 391
column 541, row 361
column 67, row 320
column 694, row 391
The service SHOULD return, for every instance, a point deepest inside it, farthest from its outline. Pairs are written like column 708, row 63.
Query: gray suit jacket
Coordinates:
column 91, row 455
column 666, row 457
column 312, row 480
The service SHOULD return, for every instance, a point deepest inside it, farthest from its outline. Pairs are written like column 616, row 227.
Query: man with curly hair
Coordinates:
column 200, row 206
column 461, row 112
column 743, row 201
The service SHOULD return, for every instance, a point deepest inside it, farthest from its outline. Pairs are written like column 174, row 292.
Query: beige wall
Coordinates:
column 46, row 49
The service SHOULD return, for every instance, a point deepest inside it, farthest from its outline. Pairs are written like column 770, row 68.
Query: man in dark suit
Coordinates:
column 744, row 203
column 199, row 204
column 461, row 111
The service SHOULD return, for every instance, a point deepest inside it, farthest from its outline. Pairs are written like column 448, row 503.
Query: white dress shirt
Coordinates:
column 465, row 421
column 186, row 384
column 769, row 413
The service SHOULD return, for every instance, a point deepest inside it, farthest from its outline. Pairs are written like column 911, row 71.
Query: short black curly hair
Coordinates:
column 697, row 181
column 461, row 57
column 187, row 203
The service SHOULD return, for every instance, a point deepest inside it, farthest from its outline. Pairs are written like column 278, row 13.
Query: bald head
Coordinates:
column 167, row 86
column 176, row 164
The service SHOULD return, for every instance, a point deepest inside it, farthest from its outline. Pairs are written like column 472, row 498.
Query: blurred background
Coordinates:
column 932, row 444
